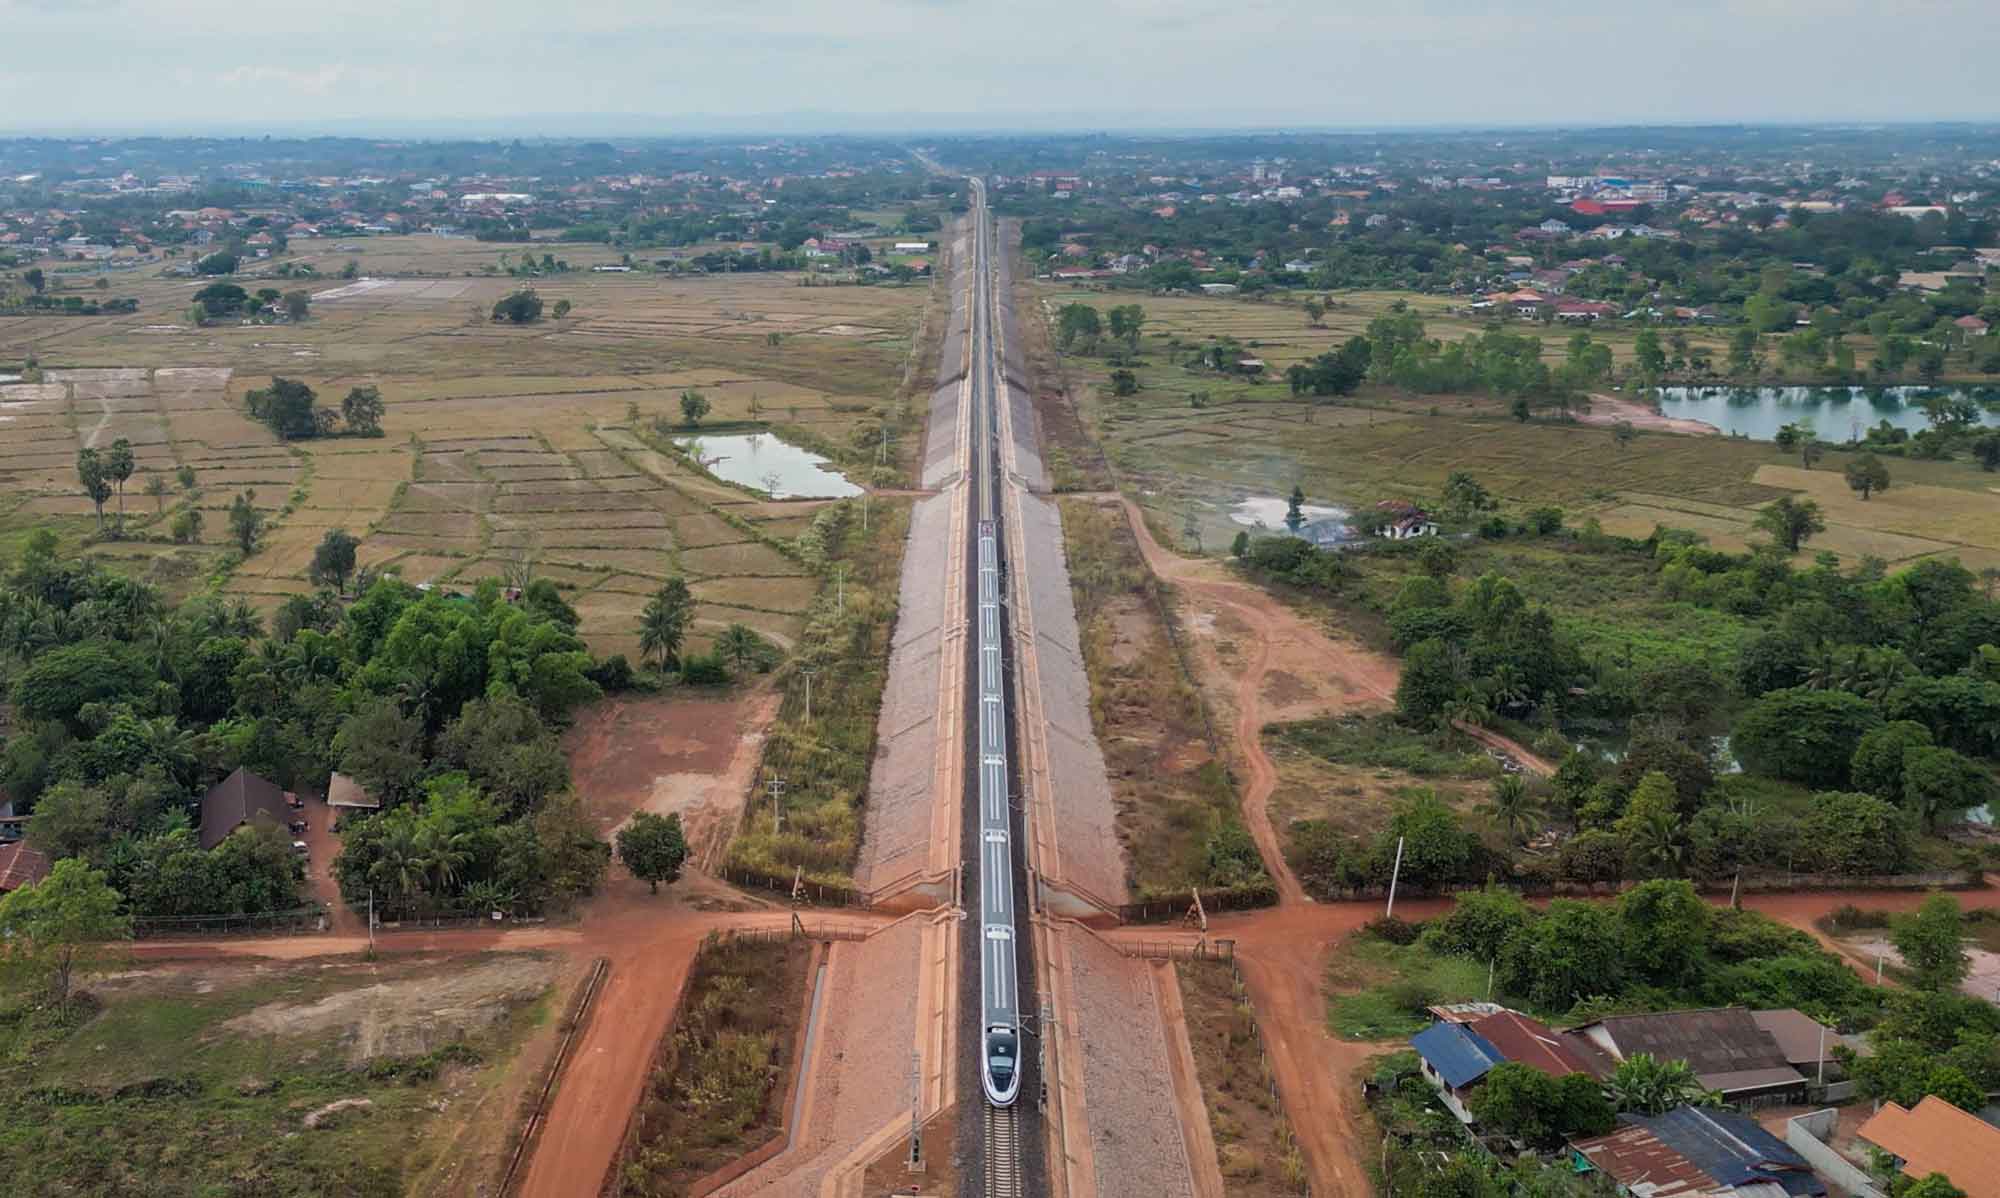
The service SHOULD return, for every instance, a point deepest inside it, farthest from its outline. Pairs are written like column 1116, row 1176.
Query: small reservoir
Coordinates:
column 1837, row 413
column 761, row 460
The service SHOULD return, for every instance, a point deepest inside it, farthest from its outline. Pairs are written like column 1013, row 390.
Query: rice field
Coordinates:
column 502, row 445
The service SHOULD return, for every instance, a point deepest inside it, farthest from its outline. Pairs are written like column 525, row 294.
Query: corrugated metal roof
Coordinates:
column 1530, row 1042
column 1459, row 1054
column 1732, row 1148
column 1717, row 1044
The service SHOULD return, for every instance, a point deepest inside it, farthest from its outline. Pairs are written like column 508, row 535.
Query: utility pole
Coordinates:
column 371, row 919
column 807, row 672
column 776, row 787
column 916, row 1136
column 840, row 588
column 1395, row 873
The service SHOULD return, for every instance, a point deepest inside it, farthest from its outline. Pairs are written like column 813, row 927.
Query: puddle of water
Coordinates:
column 10, row 378
column 760, row 460
column 1268, row 511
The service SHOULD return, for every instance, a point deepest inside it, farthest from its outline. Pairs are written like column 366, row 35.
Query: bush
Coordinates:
column 1594, row 856
column 706, row 669
column 1395, row 931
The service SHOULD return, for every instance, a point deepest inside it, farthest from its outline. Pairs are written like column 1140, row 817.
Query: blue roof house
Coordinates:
column 1455, row 1058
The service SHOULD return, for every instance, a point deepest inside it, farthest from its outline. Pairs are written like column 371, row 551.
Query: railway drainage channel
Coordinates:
column 1000, row 1153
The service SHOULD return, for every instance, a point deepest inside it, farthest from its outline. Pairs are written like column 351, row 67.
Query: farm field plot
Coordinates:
column 1192, row 464
column 503, row 447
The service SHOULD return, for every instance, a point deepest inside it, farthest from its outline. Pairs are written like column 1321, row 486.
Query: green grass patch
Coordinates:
column 1380, row 742
column 1397, row 984
column 716, row 1086
column 825, row 761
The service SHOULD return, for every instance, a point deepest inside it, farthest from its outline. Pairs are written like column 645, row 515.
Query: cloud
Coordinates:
column 312, row 81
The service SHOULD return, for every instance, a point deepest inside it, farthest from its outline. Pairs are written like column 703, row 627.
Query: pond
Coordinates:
column 1837, row 413
column 780, row 469
column 1323, row 526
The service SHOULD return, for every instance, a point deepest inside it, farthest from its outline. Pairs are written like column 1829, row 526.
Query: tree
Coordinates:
column 663, row 625
column 1666, row 931
column 1437, row 849
column 522, row 307
column 333, row 560
column 653, row 848
column 70, row 820
column 1464, row 496
column 1650, row 827
column 1932, row 942
column 1623, row 432
column 288, row 407
column 1512, row 807
column 186, row 528
column 1858, row 834
column 96, row 482
column 1940, row 784
column 1652, row 360
column 35, row 279
column 1429, row 683
column 362, row 409
column 60, row 927
column 245, row 522
column 1791, row 522
column 694, row 406
column 1877, row 766
column 297, row 305
column 1315, row 311
column 185, row 476
column 118, row 466
column 1295, row 509
column 1642, row 1084
column 561, row 309
column 156, row 489
column 1126, row 322
column 1479, row 923
column 221, row 262
column 1804, row 735
column 1570, row 953
column 1124, row 382
column 1866, row 474
column 1240, row 544
column 1526, row 1104
column 1078, row 325
column 741, row 644
column 1932, row 1185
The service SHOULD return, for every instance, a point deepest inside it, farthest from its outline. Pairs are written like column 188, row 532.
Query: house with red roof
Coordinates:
column 21, row 866
column 1455, row 1056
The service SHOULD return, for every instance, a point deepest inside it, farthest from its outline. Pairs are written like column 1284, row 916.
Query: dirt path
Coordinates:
column 1493, row 740
column 1360, row 678
column 672, row 754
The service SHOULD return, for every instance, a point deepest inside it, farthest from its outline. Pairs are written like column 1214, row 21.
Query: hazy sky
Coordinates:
column 193, row 64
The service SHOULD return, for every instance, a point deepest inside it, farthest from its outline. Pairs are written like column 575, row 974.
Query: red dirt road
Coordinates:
column 1365, row 679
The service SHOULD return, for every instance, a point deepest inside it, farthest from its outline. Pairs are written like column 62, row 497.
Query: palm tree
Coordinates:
column 1512, row 807
column 741, row 645
column 242, row 620
column 1646, row 1085
column 440, row 857
column 398, row 867
column 1470, row 707
column 1658, row 844
column 663, row 625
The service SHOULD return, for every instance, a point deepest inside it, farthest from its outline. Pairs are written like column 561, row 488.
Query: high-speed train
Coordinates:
column 1000, row 1060
column 1000, row 1067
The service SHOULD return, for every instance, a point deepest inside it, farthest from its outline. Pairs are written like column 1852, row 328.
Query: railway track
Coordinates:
column 1003, row 1152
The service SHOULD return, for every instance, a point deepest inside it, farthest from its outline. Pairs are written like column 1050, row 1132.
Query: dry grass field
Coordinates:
column 1255, row 440
column 501, row 442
